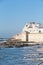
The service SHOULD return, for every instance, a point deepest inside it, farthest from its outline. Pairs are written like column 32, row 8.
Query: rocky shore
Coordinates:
column 16, row 43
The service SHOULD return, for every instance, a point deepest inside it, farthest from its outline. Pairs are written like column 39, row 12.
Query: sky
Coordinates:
column 14, row 14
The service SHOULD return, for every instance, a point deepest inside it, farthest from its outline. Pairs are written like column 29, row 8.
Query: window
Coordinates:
column 39, row 31
column 30, row 26
column 26, row 25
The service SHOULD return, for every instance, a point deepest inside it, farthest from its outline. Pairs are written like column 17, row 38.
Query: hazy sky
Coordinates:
column 15, row 13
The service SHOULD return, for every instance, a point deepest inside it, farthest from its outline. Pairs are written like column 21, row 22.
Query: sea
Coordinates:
column 29, row 55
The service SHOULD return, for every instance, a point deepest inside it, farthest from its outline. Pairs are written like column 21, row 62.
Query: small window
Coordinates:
column 30, row 26
column 39, row 31
column 26, row 25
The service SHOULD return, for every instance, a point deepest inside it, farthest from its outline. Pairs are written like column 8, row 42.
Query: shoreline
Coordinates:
column 19, row 44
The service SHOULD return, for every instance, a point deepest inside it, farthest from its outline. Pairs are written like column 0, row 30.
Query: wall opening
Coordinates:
column 26, row 36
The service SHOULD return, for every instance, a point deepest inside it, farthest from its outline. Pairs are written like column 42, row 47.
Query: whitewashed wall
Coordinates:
column 35, row 37
column 21, row 36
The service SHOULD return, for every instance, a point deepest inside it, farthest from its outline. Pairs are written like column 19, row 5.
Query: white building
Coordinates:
column 32, row 32
column 33, row 28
